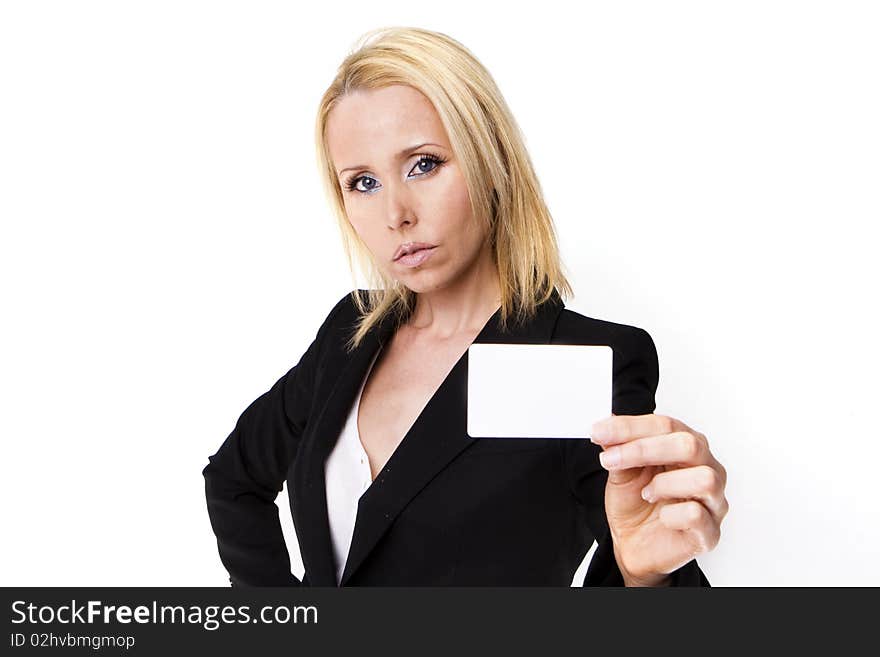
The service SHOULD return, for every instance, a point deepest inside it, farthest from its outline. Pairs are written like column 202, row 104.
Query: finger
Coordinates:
column 701, row 482
column 695, row 521
column 669, row 449
column 624, row 428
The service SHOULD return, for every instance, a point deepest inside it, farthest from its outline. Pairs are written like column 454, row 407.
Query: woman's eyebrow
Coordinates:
column 405, row 151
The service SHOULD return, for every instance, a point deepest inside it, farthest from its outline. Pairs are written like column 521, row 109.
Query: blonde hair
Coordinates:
column 504, row 189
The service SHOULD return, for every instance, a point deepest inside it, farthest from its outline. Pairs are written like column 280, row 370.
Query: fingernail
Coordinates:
column 598, row 432
column 610, row 458
column 647, row 494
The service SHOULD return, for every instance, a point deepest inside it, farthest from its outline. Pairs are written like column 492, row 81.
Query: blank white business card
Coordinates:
column 537, row 390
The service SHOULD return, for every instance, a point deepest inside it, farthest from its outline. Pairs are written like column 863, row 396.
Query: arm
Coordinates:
column 636, row 375
column 246, row 474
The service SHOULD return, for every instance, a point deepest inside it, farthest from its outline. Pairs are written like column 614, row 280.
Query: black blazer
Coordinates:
column 446, row 509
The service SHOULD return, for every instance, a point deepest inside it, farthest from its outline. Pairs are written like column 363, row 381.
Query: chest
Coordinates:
column 400, row 384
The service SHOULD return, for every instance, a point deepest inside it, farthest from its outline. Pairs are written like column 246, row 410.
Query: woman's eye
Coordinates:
column 426, row 160
column 427, row 164
column 369, row 183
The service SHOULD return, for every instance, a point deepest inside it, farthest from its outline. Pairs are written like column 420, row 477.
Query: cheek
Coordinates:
column 361, row 225
column 456, row 203
column 373, row 238
column 358, row 220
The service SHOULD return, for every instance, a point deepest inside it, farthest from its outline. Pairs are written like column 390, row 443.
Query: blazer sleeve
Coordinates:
column 636, row 375
column 243, row 478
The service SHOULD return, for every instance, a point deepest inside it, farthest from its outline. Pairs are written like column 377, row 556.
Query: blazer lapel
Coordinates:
column 436, row 437
column 308, row 493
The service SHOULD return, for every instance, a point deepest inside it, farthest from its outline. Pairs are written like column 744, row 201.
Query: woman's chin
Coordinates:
column 422, row 281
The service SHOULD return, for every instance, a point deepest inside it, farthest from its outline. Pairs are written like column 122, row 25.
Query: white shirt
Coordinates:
column 346, row 476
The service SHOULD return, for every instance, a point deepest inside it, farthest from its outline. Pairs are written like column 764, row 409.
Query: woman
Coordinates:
column 436, row 196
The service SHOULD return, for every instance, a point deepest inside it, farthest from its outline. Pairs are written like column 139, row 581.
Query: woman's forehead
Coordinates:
column 381, row 124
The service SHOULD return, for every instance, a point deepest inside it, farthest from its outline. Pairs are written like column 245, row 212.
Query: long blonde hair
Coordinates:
column 504, row 189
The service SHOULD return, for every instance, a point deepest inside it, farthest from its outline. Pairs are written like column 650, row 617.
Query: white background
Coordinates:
column 167, row 253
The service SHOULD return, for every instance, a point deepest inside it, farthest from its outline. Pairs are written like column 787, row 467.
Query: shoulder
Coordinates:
column 627, row 341
column 343, row 317
column 346, row 305
column 345, row 311
column 345, row 308
column 636, row 368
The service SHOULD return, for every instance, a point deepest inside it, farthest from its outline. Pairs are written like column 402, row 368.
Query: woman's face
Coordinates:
column 401, row 183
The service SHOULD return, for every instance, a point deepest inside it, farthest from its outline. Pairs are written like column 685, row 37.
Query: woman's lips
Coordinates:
column 415, row 258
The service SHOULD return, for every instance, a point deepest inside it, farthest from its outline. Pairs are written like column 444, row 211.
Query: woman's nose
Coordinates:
column 399, row 209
